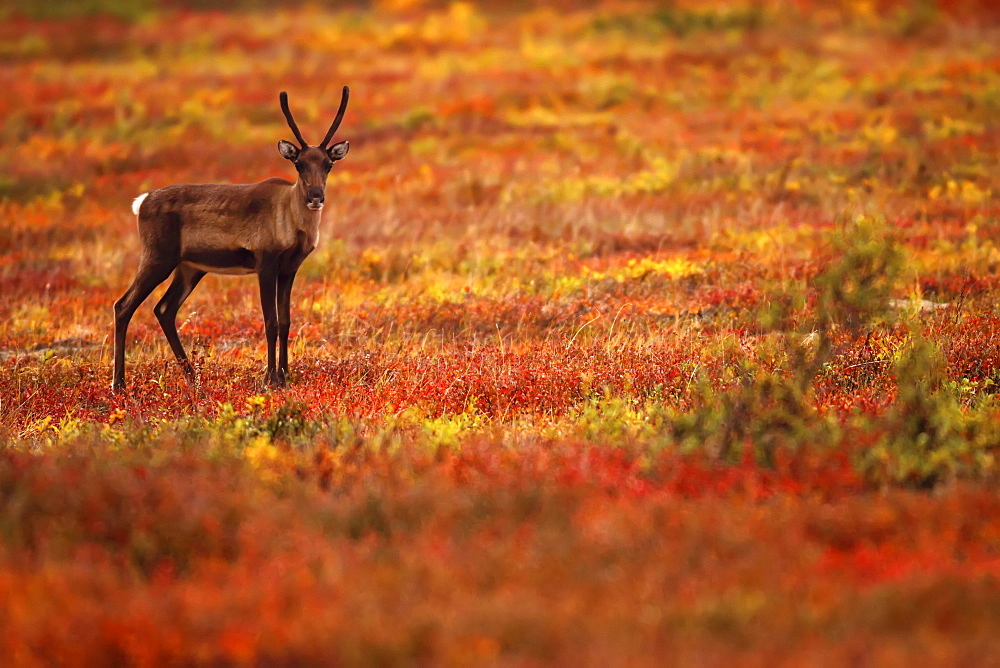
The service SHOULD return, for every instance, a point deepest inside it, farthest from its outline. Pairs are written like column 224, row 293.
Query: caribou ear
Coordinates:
column 288, row 150
column 338, row 150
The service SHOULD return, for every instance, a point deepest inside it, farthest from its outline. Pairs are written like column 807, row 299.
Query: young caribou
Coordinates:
column 265, row 228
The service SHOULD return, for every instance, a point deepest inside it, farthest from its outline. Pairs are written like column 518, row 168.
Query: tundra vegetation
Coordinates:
column 634, row 331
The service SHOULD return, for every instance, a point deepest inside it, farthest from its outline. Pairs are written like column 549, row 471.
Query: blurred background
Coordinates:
column 464, row 105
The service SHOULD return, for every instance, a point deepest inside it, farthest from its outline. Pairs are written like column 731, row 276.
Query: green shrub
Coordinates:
column 927, row 436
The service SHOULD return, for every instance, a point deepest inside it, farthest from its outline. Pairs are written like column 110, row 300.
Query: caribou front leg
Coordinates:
column 285, row 281
column 268, row 280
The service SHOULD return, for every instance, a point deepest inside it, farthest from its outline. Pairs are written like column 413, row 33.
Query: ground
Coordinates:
column 636, row 333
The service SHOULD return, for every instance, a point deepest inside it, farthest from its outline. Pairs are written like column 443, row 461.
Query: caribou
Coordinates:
column 266, row 228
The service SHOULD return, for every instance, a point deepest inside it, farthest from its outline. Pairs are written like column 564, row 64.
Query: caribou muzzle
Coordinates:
column 315, row 198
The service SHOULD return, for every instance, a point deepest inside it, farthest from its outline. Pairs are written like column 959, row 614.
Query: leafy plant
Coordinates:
column 927, row 437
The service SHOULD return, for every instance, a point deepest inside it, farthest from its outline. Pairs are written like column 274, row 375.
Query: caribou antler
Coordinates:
column 291, row 121
column 338, row 119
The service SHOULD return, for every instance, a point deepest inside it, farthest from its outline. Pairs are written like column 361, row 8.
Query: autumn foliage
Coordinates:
column 638, row 333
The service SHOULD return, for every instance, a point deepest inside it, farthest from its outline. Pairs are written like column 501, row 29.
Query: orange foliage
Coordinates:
column 548, row 402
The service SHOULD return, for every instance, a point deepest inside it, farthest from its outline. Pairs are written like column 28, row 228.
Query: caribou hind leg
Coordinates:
column 151, row 273
column 268, row 284
column 186, row 278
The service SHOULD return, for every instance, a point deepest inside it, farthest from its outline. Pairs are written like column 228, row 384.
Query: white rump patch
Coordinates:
column 137, row 202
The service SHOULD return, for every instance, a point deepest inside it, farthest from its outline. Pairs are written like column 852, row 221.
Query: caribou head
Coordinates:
column 313, row 163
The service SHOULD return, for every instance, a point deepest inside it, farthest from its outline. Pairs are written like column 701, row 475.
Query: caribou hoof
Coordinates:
column 274, row 381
